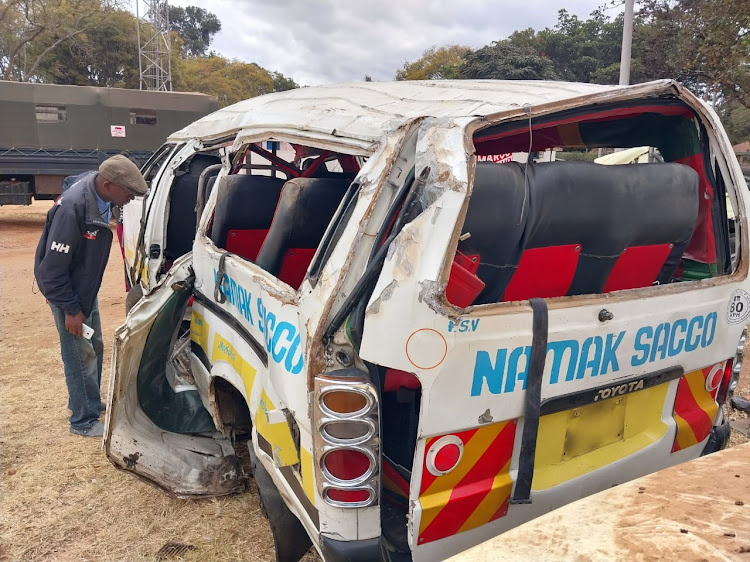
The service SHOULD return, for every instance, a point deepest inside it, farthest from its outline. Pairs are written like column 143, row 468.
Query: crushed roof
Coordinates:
column 364, row 111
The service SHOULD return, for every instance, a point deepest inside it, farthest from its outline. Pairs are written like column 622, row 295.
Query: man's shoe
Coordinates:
column 96, row 430
column 103, row 407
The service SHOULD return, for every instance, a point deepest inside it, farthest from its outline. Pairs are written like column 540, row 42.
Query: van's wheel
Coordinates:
column 134, row 295
column 290, row 540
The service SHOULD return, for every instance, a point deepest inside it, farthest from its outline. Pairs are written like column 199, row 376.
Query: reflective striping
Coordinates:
column 476, row 491
column 695, row 409
column 225, row 351
column 284, row 453
column 497, row 495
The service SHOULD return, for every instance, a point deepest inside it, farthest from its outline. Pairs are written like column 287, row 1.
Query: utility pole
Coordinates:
column 627, row 42
column 154, row 48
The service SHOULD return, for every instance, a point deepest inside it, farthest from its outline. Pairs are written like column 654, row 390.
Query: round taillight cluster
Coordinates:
column 346, row 448
column 715, row 375
column 444, row 455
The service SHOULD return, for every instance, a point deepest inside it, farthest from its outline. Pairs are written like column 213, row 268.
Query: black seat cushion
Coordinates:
column 305, row 209
column 495, row 222
column 244, row 202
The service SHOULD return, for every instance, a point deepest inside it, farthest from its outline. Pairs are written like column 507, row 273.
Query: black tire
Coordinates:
column 134, row 295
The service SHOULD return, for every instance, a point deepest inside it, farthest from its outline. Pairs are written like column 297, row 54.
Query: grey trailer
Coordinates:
column 50, row 131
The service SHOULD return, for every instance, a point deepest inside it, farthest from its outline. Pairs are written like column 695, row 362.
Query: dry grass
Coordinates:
column 60, row 499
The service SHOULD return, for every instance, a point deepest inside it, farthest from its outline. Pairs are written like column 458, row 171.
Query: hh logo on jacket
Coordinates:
column 91, row 234
column 62, row 248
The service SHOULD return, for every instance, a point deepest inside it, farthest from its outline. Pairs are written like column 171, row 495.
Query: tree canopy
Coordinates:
column 435, row 64
column 94, row 43
column 703, row 43
column 229, row 81
column 504, row 61
column 195, row 26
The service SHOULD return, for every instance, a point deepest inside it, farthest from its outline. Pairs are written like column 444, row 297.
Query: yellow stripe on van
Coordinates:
column 277, row 434
column 308, row 480
column 199, row 329
column 225, row 351
column 685, row 434
column 575, row 442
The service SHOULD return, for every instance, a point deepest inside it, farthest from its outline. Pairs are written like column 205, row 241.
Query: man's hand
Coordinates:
column 74, row 324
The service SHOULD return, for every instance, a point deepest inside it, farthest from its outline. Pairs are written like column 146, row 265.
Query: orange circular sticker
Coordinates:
column 426, row 348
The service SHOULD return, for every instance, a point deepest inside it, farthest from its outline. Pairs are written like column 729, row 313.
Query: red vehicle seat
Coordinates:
column 305, row 209
column 594, row 229
column 244, row 211
column 570, row 228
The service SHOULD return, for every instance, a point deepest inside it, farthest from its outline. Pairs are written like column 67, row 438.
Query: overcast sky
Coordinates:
column 327, row 41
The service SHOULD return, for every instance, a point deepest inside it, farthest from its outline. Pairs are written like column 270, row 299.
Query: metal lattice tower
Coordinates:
column 154, row 50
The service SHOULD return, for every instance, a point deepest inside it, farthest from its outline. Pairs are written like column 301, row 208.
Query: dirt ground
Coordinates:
column 60, row 499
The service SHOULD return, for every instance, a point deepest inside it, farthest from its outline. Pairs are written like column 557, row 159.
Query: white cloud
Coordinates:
column 326, row 41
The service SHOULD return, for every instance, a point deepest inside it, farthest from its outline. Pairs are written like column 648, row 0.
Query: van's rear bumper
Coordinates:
column 718, row 438
column 344, row 551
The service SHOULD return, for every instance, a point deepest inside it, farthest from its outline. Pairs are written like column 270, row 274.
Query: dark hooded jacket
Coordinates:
column 74, row 249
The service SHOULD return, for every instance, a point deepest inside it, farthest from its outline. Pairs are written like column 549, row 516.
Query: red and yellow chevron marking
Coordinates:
column 476, row 491
column 695, row 409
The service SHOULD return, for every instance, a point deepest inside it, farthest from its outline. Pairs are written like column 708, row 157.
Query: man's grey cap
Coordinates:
column 121, row 171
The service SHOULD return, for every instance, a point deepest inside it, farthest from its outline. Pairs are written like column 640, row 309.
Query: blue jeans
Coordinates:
column 82, row 360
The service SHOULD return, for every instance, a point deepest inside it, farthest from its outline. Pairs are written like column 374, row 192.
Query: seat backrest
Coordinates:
column 181, row 225
column 495, row 222
column 245, row 207
column 594, row 228
column 305, row 209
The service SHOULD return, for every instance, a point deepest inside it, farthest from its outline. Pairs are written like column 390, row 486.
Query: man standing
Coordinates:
column 69, row 266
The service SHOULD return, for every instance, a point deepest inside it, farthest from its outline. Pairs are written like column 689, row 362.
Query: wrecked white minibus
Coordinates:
column 412, row 343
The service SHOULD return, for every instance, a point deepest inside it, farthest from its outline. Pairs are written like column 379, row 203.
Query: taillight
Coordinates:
column 444, row 455
column 732, row 372
column 348, row 465
column 346, row 441
column 343, row 402
column 348, row 496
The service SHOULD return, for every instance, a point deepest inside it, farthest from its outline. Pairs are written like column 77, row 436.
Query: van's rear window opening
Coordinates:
column 567, row 228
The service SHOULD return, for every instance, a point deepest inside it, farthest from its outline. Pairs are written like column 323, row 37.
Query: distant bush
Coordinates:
column 577, row 156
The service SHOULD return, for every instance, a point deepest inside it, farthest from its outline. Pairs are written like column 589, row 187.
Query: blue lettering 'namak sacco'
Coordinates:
column 504, row 370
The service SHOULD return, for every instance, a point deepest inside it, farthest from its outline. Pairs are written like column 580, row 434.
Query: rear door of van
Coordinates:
column 570, row 325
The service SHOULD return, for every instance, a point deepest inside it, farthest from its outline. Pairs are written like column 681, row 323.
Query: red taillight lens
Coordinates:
column 447, row 457
column 346, row 464
column 721, row 395
column 444, row 455
column 347, row 496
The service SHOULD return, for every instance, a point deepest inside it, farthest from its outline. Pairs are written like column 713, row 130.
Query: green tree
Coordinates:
column 282, row 83
column 579, row 49
column 736, row 120
column 105, row 55
column 31, row 29
column 704, row 43
column 502, row 60
column 435, row 64
column 195, row 26
column 229, row 81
